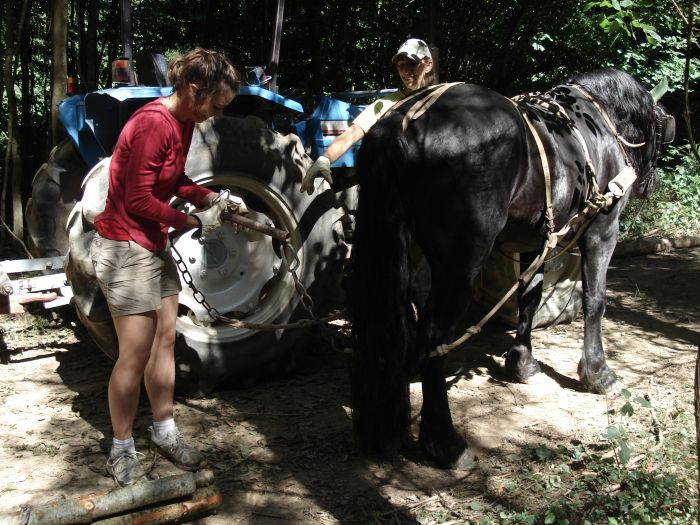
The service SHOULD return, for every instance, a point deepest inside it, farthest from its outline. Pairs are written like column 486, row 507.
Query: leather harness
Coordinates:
column 594, row 204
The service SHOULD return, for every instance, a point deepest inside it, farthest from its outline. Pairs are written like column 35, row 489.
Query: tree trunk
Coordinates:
column 2, row 57
column 13, row 162
column 686, row 79
column 505, row 53
column 312, row 10
column 87, row 54
column 27, row 131
column 9, row 90
column 59, row 41
column 697, row 416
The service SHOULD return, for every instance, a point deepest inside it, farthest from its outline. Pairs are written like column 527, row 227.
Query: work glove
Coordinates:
column 234, row 203
column 320, row 168
column 210, row 218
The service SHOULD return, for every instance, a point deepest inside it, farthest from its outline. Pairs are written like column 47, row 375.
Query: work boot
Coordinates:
column 125, row 468
column 174, row 448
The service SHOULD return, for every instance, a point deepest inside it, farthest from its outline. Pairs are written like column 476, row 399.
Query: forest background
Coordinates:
column 509, row 46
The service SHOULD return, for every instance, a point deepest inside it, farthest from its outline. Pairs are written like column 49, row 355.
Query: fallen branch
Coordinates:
column 648, row 246
column 411, row 506
column 87, row 509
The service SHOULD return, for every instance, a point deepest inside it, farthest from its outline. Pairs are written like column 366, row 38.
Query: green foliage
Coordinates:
column 631, row 477
column 619, row 18
column 674, row 208
column 511, row 47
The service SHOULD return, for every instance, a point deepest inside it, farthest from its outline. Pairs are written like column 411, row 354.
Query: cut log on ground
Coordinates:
column 87, row 509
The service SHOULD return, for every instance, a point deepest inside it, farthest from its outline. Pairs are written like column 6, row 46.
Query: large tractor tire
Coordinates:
column 562, row 292
column 55, row 190
column 242, row 275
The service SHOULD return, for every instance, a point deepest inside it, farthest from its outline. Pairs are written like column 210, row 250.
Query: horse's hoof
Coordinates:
column 521, row 370
column 466, row 461
column 449, row 453
column 601, row 383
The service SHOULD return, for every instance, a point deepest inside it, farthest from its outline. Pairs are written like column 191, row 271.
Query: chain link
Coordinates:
column 213, row 313
column 306, row 301
column 291, row 262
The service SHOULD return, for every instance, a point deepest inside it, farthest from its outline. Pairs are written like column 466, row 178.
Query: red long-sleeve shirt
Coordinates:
column 147, row 169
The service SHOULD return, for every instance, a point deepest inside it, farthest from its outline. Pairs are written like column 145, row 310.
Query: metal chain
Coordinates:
column 306, row 301
column 197, row 294
column 291, row 263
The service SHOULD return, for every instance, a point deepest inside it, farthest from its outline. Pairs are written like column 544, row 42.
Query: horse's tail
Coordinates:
column 383, row 323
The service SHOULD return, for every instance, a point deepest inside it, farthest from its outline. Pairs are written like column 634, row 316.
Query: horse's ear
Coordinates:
column 659, row 90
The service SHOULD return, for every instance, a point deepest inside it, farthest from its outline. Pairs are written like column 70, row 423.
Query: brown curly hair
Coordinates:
column 205, row 68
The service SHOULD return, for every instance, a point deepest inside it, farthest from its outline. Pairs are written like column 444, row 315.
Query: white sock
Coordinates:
column 161, row 429
column 122, row 445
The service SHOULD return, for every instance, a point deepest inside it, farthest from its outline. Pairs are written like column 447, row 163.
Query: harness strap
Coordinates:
column 549, row 211
column 420, row 107
column 426, row 102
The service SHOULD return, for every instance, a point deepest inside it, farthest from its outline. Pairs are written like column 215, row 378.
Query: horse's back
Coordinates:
column 458, row 162
column 463, row 126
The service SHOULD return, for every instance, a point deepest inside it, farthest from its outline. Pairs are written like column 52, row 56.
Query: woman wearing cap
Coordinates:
column 414, row 64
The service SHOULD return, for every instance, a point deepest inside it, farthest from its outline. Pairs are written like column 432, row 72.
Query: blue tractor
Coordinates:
column 260, row 149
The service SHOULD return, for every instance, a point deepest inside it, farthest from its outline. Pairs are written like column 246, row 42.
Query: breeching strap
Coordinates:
column 527, row 275
column 420, row 107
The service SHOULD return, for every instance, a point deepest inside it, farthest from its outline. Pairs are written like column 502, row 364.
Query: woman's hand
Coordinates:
column 320, row 168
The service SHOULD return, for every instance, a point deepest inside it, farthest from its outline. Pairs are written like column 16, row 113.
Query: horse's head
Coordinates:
column 641, row 124
column 664, row 133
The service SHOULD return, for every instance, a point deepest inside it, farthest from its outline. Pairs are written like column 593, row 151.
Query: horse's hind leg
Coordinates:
column 438, row 436
column 519, row 361
column 449, row 296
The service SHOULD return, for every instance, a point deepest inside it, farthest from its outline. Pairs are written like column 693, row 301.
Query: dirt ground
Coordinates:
column 283, row 451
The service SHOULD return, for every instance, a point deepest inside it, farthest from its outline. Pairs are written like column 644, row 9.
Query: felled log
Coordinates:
column 202, row 501
column 86, row 509
column 647, row 246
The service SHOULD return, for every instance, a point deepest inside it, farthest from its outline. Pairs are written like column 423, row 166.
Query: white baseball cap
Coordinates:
column 413, row 49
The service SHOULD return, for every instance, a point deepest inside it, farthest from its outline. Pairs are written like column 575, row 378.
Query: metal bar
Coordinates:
column 32, row 265
column 276, row 41
column 66, row 294
column 38, row 284
column 273, row 232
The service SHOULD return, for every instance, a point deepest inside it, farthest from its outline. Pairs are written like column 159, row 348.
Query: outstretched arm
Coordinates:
column 343, row 142
column 335, row 150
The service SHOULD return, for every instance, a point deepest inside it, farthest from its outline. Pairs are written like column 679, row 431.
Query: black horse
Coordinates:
column 461, row 180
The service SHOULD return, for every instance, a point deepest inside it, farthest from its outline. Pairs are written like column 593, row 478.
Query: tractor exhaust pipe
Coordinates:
column 128, row 54
column 276, row 40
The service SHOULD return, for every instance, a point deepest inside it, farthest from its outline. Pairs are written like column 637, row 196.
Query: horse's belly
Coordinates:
column 520, row 237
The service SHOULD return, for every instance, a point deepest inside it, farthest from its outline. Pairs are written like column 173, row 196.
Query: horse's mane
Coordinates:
column 629, row 106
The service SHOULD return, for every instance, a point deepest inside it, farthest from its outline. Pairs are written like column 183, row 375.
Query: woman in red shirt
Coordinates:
column 133, row 266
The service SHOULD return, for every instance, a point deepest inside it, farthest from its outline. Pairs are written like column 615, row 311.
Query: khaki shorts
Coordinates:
column 132, row 278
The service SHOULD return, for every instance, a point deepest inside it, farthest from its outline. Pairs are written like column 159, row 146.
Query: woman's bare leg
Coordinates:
column 135, row 334
column 159, row 375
